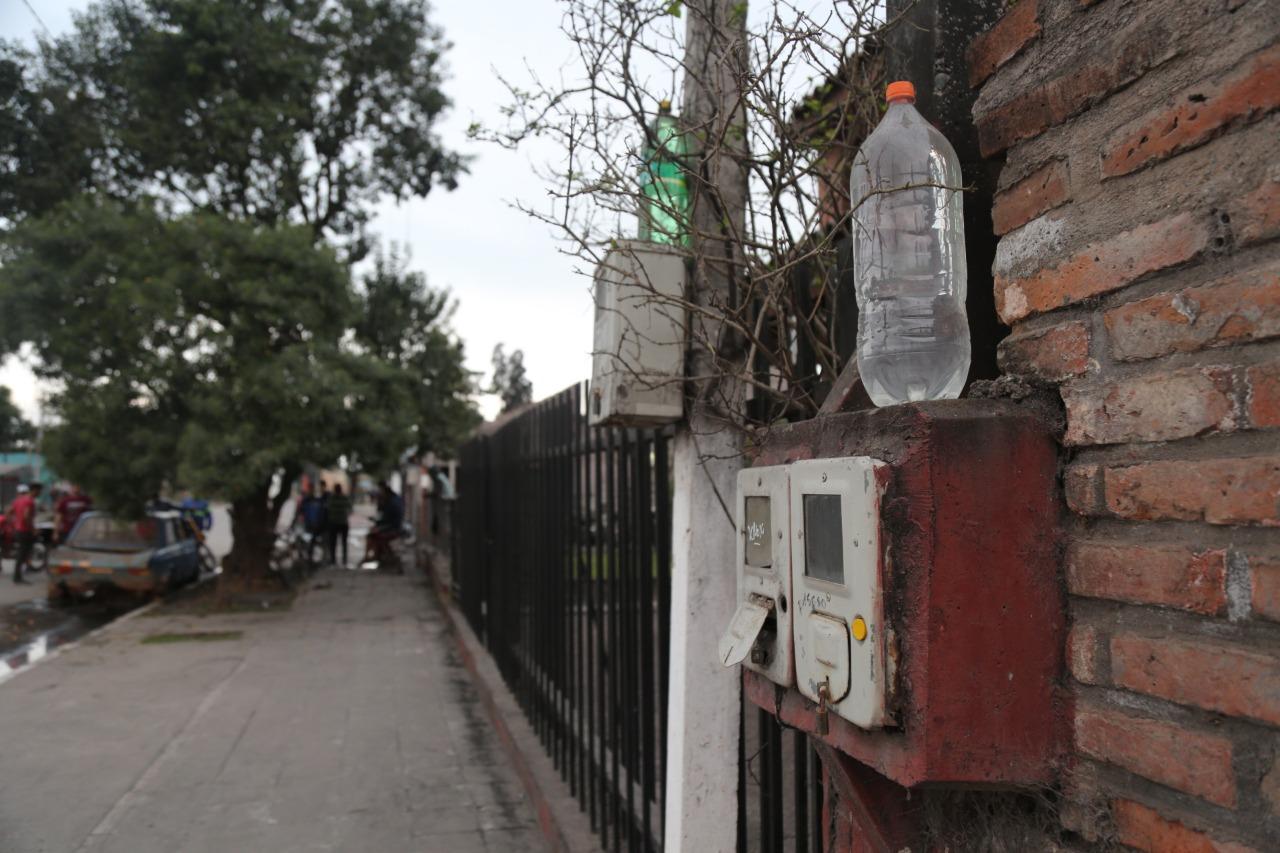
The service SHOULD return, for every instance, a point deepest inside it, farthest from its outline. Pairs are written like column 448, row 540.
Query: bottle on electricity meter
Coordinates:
column 909, row 258
column 664, row 213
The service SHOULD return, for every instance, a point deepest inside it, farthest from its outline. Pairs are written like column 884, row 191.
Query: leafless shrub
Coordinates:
column 796, row 91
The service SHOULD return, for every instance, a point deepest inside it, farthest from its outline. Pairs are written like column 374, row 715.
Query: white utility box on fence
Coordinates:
column 637, row 365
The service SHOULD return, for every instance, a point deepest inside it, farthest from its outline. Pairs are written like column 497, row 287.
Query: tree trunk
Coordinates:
column 248, row 567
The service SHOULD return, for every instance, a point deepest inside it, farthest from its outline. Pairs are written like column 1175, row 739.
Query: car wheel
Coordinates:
column 58, row 595
column 39, row 557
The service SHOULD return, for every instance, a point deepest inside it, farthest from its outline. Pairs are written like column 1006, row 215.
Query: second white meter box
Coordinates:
column 637, row 362
column 759, row 636
column 838, row 586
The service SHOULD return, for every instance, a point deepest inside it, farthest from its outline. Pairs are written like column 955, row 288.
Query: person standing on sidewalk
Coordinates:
column 68, row 510
column 24, row 527
column 311, row 515
column 338, row 514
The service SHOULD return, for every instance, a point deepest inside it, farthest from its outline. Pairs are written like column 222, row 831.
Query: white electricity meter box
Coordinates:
column 637, row 366
column 810, row 592
column 837, row 579
column 759, row 636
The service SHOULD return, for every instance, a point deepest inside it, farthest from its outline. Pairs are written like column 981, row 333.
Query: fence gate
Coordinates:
column 562, row 556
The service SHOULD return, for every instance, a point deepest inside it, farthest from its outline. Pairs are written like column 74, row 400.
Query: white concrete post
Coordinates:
column 702, row 734
column 705, row 697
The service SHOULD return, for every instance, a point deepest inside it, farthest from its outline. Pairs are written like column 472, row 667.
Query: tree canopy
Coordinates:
column 16, row 432
column 184, row 186
column 407, row 324
column 197, row 350
column 510, row 380
column 277, row 112
column 219, row 355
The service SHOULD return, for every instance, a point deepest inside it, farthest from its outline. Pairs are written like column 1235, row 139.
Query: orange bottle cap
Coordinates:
column 900, row 90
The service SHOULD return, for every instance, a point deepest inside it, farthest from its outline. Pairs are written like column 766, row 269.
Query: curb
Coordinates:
column 559, row 818
column 96, row 632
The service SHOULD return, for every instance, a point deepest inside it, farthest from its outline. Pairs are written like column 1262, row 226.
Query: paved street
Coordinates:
column 346, row 723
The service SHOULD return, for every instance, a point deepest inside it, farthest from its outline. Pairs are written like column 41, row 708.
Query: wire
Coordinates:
column 36, row 15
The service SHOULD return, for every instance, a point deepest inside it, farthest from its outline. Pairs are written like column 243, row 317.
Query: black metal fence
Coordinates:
column 562, row 565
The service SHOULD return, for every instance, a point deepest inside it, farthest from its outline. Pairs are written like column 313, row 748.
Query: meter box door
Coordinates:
column 759, row 636
column 637, row 367
column 838, row 587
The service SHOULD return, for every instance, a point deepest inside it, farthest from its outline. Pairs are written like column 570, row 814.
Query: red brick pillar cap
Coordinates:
column 900, row 90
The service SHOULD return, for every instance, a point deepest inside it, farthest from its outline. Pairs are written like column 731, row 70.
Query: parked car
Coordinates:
column 146, row 556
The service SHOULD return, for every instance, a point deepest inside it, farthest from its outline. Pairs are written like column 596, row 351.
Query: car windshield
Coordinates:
column 99, row 533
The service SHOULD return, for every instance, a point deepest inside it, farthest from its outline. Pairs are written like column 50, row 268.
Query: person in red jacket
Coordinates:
column 23, row 511
column 68, row 510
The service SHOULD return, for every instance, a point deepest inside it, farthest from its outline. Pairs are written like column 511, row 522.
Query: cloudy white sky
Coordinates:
column 512, row 285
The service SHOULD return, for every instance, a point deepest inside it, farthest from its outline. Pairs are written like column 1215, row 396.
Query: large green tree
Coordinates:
column 277, row 112
column 197, row 350
column 407, row 324
column 510, row 379
column 173, row 174
column 16, row 431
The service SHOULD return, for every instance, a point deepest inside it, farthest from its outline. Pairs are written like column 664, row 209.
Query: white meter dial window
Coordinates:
column 839, row 631
column 758, row 531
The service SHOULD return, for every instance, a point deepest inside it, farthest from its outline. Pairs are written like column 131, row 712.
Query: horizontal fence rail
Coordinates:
column 562, row 548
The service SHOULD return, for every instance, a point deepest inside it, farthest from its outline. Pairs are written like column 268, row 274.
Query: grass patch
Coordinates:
column 191, row 637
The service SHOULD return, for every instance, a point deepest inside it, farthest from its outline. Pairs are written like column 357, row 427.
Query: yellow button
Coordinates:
column 859, row 628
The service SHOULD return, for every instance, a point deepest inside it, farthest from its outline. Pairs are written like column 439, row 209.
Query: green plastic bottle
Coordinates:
column 664, row 214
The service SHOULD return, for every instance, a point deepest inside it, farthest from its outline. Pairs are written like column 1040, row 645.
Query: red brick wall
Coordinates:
column 1139, row 270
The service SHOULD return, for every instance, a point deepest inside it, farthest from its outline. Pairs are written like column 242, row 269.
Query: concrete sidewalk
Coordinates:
column 346, row 723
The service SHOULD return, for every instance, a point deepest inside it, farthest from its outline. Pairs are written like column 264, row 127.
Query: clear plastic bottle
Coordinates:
column 908, row 256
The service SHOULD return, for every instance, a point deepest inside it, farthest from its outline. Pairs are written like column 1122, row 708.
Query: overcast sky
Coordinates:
column 512, row 285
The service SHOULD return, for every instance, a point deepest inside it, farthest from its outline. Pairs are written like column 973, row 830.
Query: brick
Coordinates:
column 1113, row 65
column 1219, row 491
column 1215, row 676
column 1085, row 654
column 1264, row 579
column 1080, row 485
column 1151, row 407
column 1243, row 306
column 1180, row 577
column 1144, row 829
column 1256, row 216
column 1263, row 383
column 1172, row 755
column 1050, row 354
column 1041, row 191
column 1270, row 787
column 1249, row 91
column 1102, row 267
column 1019, row 26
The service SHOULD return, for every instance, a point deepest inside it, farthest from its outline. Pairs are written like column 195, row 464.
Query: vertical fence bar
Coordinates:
column 597, row 640
column 611, row 664
column 575, row 635
column 800, row 746
column 626, row 643
column 760, row 766
column 662, row 475
column 777, row 794
column 646, row 612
